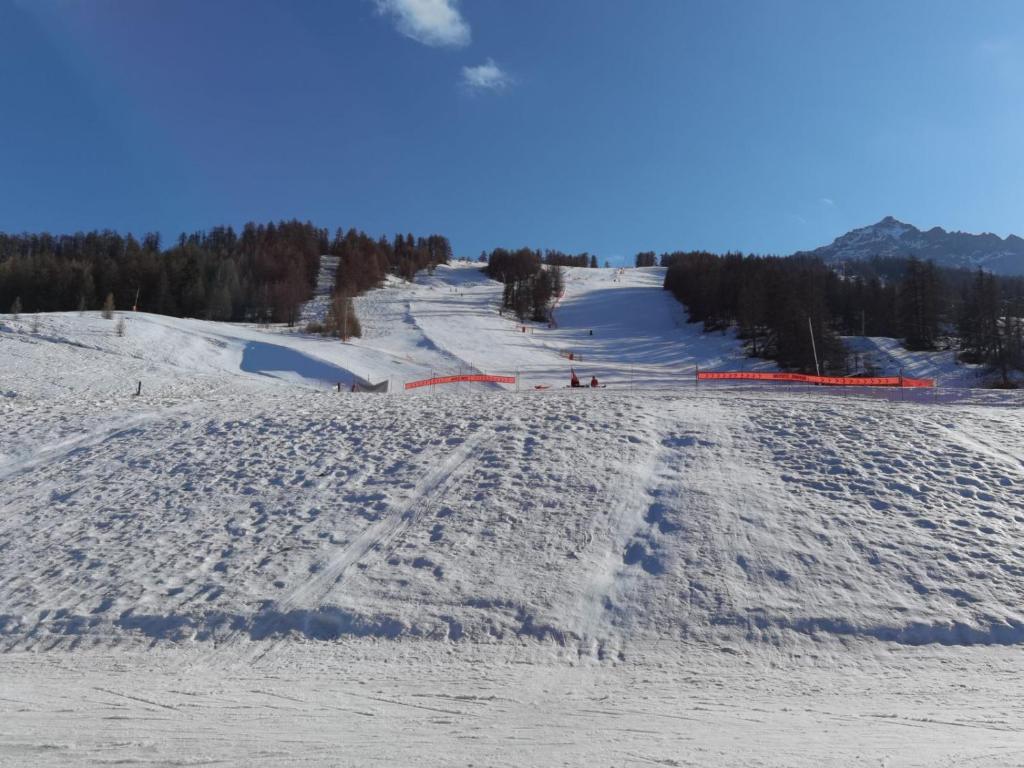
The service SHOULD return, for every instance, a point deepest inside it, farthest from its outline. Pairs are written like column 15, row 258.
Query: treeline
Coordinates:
column 364, row 261
column 262, row 274
column 531, row 282
column 990, row 323
column 773, row 302
column 555, row 258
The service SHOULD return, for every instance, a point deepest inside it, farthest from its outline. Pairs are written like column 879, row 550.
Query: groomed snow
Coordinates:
column 244, row 565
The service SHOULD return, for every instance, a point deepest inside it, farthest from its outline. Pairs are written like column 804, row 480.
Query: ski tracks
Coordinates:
column 380, row 534
column 625, row 518
column 50, row 454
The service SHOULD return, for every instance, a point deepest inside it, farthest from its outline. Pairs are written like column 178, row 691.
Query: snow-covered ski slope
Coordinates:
column 588, row 520
column 316, row 308
column 244, row 565
column 624, row 329
column 619, row 326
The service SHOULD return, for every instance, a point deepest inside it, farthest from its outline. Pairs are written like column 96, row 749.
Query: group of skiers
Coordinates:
column 575, row 380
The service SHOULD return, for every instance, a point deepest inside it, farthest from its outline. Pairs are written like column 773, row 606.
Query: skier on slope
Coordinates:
column 593, row 381
column 575, row 380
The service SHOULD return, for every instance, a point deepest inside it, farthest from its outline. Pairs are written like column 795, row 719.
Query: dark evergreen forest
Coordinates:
column 773, row 302
column 262, row 274
column 532, row 280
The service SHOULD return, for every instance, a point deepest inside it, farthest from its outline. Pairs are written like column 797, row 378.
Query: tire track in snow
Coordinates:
column 381, row 532
column 376, row 536
column 625, row 518
column 54, row 452
column 50, row 454
column 976, row 444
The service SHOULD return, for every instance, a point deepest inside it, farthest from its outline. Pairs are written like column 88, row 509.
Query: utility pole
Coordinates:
column 814, row 347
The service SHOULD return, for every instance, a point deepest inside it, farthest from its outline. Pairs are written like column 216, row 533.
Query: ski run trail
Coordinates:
column 243, row 565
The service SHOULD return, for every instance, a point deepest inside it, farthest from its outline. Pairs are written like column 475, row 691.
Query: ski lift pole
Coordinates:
column 814, row 347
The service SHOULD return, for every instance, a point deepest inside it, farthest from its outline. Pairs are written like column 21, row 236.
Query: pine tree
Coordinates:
column 919, row 305
column 978, row 317
column 557, row 280
column 341, row 318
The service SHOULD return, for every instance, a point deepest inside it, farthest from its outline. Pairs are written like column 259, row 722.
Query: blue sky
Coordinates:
column 611, row 127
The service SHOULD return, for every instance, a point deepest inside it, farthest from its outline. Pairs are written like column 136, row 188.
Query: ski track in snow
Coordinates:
column 250, row 567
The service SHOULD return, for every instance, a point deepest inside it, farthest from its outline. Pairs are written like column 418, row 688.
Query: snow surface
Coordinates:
column 244, row 565
column 316, row 308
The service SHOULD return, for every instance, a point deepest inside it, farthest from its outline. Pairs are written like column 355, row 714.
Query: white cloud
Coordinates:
column 486, row 77
column 828, row 202
column 431, row 22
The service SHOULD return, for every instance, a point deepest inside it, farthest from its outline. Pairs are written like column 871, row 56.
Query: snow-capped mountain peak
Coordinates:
column 892, row 237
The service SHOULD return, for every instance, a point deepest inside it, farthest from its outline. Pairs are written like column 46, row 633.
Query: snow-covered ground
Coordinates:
column 317, row 307
column 624, row 329
column 244, row 565
column 888, row 357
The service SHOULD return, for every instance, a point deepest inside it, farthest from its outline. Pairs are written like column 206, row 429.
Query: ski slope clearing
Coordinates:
column 244, row 564
column 889, row 358
column 622, row 328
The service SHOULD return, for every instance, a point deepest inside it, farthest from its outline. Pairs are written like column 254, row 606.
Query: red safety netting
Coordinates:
column 802, row 378
column 464, row 377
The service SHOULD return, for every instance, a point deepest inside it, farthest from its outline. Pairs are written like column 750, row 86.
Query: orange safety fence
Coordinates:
column 463, row 377
column 832, row 381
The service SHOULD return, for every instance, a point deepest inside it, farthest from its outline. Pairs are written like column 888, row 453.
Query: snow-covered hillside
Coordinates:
column 243, row 564
column 589, row 520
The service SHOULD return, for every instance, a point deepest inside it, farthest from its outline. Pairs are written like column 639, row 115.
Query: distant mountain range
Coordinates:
column 891, row 237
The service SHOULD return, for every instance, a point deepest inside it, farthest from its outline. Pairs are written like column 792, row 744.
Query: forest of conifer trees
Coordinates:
column 262, row 274
column 772, row 301
column 532, row 280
